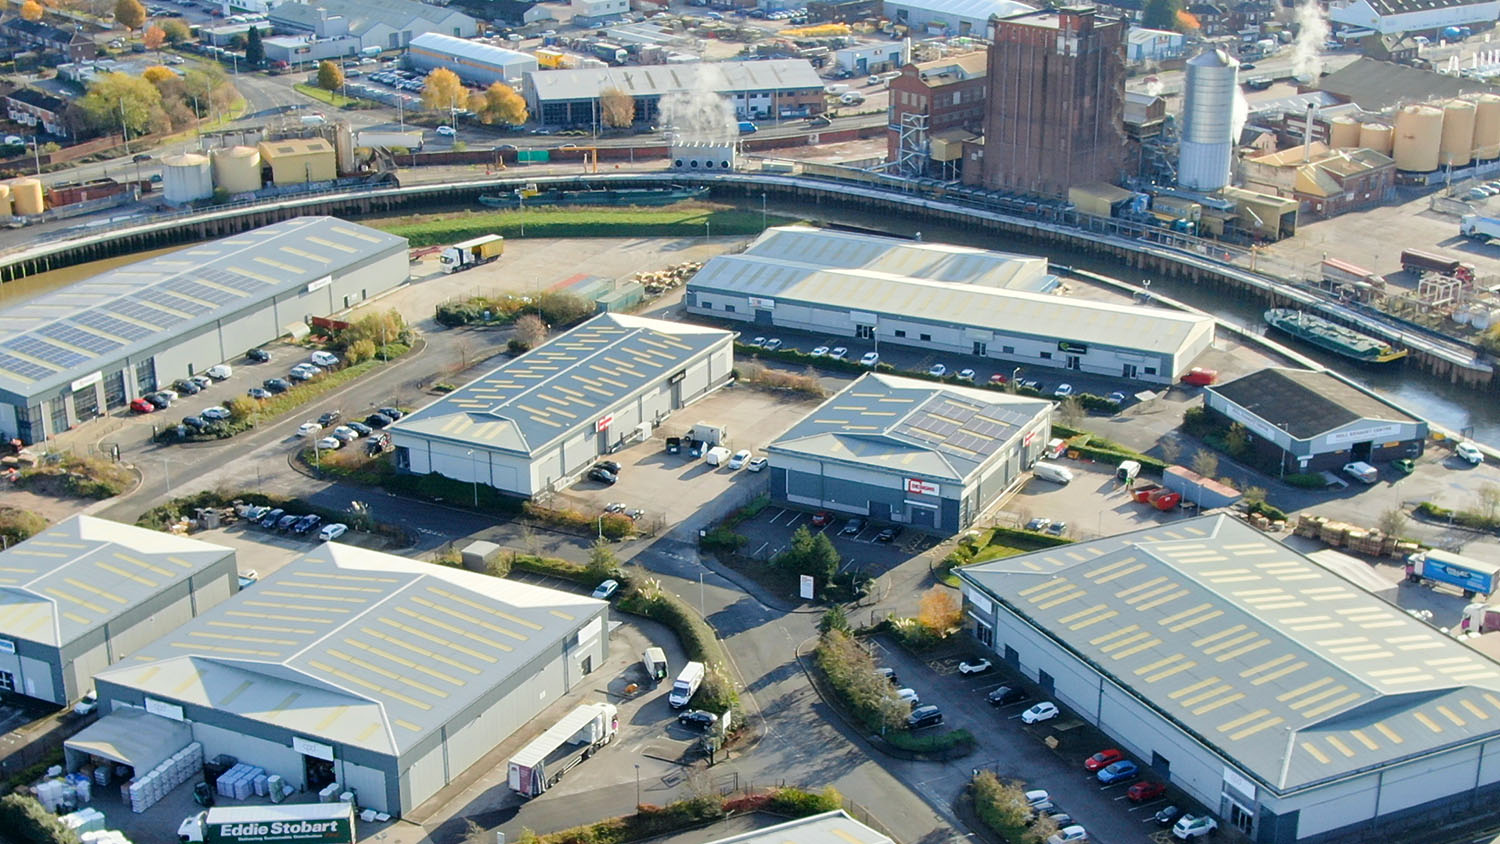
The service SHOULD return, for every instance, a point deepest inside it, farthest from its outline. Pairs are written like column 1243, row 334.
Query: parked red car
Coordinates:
column 821, row 518
column 1102, row 759
column 1146, row 790
column 1201, row 377
column 142, row 406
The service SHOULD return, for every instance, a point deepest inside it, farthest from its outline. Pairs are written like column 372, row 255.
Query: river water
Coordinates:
column 1450, row 405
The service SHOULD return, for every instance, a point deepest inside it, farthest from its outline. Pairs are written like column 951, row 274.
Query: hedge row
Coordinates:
column 554, row 567
column 23, row 820
column 699, row 642
column 1107, row 451
column 656, row 821
column 610, row 525
column 162, row 516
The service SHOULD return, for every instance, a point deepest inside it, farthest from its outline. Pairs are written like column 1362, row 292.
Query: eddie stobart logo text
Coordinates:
column 240, row 830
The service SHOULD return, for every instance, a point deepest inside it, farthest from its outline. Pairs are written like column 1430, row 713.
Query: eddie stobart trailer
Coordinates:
column 539, row 765
column 300, row 823
column 1469, row 575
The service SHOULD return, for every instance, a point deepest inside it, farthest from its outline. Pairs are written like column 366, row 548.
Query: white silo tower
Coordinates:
column 1208, row 122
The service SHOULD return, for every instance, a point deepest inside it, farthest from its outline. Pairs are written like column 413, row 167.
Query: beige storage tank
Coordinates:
column 26, row 197
column 1343, row 133
column 5, row 202
column 186, row 178
column 1457, row 145
column 237, row 169
column 1419, row 131
column 1487, row 127
column 1376, row 136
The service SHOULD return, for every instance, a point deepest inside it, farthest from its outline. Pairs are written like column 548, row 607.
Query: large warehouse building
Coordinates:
column 843, row 291
column 476, row 63
column 781, row 87
column 87, row 593
column 388, row 676
column 1393, row 17
column 1291, row 703
column 538, row 422
column 952, row 17
column 933, row 456
column 73, row 355
column 366, row 24
column 1311, row 421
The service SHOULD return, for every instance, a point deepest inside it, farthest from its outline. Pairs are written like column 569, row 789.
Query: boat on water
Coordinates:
column 605, row 196
column 1332, row 336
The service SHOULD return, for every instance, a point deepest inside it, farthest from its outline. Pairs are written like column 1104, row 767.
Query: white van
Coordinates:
column 654, row 660
column 686, row 685
column 1052, row 472
column 717, row 455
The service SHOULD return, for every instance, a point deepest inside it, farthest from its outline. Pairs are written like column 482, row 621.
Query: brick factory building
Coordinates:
column 1055, row 106
column 947, row 95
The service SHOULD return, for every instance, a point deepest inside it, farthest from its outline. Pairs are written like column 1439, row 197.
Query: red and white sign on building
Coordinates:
column 603, row 424
column 916, row 487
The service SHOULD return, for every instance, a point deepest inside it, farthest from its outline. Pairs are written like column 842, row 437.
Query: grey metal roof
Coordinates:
column 570, row 382
column 83, row 572
column 835, row 827
column 474, row 51
column 1376, row 85
column 1291, row 673
column 1305, row 403
column 654, row 80
column 357, row 646
column 977, row 306
column 1400, row 7
column 57, row 338
column 363, row 14
column 820, row 248
column 972, row 9
column 918, row 427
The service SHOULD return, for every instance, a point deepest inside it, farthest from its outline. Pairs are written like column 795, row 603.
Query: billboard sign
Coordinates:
column 603, row 424
column 917, row 487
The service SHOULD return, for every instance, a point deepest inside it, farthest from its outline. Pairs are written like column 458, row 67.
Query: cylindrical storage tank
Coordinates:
column 1456, row 146
column 26, row 197
column 1419, row 131
column 1343, row 133
column 343, row 147
column 186, row 178
column 1487, row 127
column 1207, row 140
column 237, row 169
column 1479, row 317
column 5, row 202
column 1461, row 316
column 1376, row 136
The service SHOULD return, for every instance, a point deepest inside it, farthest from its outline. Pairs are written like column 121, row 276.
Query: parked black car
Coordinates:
column 285, row 523
column 603, row 476
column 272, row 518
column 306, row 523
column 329, row 418
column 378, row 420
column 258, row 355
column 159, row 400
column 391, row 412
column 277, row 385
column 924, row 716
column 1006, row 695
column 697, row 718
column 889, row 534
column 609, row 466
column 194, row 422
column 359, row 428
column 182, row 385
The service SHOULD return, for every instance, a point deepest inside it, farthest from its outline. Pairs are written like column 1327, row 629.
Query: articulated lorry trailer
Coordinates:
column 1469, row 575
column 286, row 823
column 472, row 253
column 539, row 765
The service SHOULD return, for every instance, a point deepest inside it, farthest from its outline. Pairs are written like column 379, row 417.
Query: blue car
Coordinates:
column 1122, row 770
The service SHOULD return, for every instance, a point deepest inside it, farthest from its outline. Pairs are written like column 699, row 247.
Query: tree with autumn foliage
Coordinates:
column 130, row 14
column 31, row 10
column 154, row 37
column 443, row 90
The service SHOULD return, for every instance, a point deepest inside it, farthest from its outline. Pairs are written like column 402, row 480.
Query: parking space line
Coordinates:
column 760, row 549
column 796, row 518
column 779, row 514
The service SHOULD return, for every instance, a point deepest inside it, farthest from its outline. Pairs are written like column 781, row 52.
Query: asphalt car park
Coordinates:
column 1015, row 751
column 913, row 360
column 770, row 532
column 672, row 487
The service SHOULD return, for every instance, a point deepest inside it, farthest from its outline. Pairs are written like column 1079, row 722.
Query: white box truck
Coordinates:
column 389, row 140
column 287, row 823
column 1478, row 227
column 472, row 253
column 686, row 685
column 539, row 765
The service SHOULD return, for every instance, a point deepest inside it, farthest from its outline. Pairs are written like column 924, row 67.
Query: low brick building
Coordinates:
column 1324, row 181
column 946, row 95
column 73, row 45
column 37, row 109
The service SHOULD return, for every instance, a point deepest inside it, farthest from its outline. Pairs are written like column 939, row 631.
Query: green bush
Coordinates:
column 25, row 821
column 1000, row 806
column 868, row 698
column 554, row 567
column 796, row 803
column 1305, row 480
column 1273, row 513
column 723, row 539
column 19, row 525
column 1433, row 511
column 611, row 525
column 1201, row 422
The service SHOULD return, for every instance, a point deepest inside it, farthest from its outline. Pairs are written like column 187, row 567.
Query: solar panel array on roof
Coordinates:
column 64, row 335
column 1240, row 639
column 883, row 419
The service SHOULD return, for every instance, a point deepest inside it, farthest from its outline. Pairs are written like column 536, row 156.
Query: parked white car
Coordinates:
column 332, row 532
column 307, row 429
column 215, row 413
column 324, row 358
column 330, row 444
column 220, row 372
column 1044, row 711
column 870, row 359
column 739, row 459
column 1469, row 452
column 1069, row 835
column 1194, row 826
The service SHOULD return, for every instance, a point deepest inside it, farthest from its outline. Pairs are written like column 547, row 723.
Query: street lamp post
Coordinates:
column 168, row 472
column 706, row 232
column 638, row 785
column 599, row 522
column 762, row 210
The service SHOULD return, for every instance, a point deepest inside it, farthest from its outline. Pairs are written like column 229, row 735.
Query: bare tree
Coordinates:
column 1489, row 502
column 531, row 330
column 1205, row 462
column 1393, row 522
column 617, row 108
column 1071, row 411
column 1171, row 450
